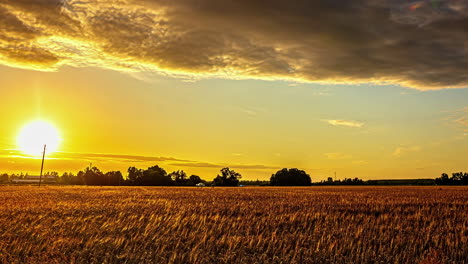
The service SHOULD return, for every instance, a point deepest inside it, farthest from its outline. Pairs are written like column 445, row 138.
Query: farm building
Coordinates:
column 35, row 179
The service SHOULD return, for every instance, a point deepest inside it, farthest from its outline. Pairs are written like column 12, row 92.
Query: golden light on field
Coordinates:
column 33, row 136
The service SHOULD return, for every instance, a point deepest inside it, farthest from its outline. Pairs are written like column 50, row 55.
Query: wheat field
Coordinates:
column 55, row 224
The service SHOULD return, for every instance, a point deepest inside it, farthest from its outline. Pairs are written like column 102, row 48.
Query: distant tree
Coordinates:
column 254, row 183
column 49, row 174
column 69, row 178
column 155, row 176
column 290, row 177
column 458, row 178
column 114, row 178
column 464, row 179
column 94, row 176
column 355, row 181
column 346, row 181
column 134, row 175
column 66, row 178
column 443, row 180
column 179, row 178
column 228, row 177
column 80, row 179
column 194, row 180
column 4, row 178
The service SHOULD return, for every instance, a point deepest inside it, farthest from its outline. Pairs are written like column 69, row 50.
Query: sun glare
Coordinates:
column 34, row 135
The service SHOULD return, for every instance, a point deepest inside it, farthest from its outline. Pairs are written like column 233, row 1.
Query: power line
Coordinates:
column 42, row 166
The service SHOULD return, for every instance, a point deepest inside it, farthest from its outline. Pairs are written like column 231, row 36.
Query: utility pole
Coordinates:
column 335, row 175
column 42, row 166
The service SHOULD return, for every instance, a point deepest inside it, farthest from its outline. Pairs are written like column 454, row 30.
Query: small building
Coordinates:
column 35, row 179
column 201, row 184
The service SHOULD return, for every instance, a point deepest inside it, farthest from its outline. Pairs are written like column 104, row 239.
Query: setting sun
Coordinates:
column 34, row 135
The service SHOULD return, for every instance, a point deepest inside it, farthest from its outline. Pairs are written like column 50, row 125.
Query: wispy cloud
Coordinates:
column 94, row 157
column 253, row 111
column 458, row 118
column 337, row 156
column 358, row 42
column 114, row 157
column 463, row 121
column 90, row 157
column 232, row 166
column 360, row 162
column 345, row 123
column 401, row 150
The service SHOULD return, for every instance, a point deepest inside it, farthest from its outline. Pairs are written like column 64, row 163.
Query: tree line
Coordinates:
column 458, row 178
column 157, row 176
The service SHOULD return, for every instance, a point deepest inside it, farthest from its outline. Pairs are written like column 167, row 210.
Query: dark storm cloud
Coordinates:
column 421, row 44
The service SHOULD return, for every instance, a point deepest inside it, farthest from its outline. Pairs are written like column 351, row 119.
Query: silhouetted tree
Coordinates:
column 14, row 176
column 291, row 177
column 179, row 178
column 155, row 176
column 458, row 178
column 70, row 178
column 4, row 178
column 255, row 183
column 464, row 179
column 66, row 178
column 94, row 176
column 49, row 174
column 227, row 178
column 134, row 175
column 80, row 180
column 443, row 180
column 114, row 178
column 194, row 180
column 346, row 181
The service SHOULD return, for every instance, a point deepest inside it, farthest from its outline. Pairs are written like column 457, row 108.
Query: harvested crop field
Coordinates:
column 54, row 224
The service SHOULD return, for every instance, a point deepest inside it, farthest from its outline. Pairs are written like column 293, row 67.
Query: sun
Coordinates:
column 35, row 135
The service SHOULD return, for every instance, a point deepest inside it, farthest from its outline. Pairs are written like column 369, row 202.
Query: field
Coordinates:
column 233, row 225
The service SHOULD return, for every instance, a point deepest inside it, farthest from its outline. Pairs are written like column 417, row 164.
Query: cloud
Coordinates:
column 337, row 156
column 232, row 166
column 93, row 157
column 411, row 43
column 424, row 12
column 459, row 117
column 15, row 154
column 463, row 122
column 345, row 123
column 114, row 157
column 360, row 162
column 252, row 111
column 399, row 151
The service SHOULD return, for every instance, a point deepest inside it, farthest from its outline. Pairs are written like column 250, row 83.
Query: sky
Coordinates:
column 369, row 89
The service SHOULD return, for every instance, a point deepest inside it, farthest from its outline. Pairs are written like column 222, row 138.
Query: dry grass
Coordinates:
column 233, row 225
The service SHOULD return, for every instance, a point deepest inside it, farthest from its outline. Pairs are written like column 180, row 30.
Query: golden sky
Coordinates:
column 359, row 88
